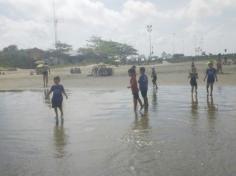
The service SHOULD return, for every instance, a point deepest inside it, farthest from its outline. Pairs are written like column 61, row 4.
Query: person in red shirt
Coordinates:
column 134, row 88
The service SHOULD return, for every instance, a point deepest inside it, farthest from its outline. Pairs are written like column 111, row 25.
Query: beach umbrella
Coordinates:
column 40, row 66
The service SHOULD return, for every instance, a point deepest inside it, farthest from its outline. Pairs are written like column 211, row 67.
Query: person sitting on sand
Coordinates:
column 143, row 85
column 154, row 78
column 58, row 90
column 134, row 89
column 46, row 71
column 211, row 77
column 193, row 76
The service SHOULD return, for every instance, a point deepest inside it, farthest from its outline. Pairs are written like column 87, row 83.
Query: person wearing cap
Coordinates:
column 211, row 77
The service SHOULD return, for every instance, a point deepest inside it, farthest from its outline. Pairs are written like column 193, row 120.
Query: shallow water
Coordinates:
column 102, row 136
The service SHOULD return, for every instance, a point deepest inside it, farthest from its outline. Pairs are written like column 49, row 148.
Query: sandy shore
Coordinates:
column 168, row 74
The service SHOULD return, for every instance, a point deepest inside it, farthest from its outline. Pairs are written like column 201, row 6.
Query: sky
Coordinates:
column 179, row 26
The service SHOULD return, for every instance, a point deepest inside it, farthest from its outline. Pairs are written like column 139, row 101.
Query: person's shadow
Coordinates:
column 60, row 141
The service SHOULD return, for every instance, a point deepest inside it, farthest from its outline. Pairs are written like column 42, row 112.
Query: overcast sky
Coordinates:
column 178, row 25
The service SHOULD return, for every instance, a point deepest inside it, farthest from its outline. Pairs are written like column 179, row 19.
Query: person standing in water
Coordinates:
column 211, row 77
column 143, row 85
column 154, row 78
column 193, row 76
column 134, row 88
column 58, row 91
column 46, row 71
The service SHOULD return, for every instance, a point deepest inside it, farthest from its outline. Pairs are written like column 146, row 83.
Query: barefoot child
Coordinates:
column 154, row 78
column 135, row 90
column 193, row 76
column 211, row 77
column 143, row 85
column 58, row 90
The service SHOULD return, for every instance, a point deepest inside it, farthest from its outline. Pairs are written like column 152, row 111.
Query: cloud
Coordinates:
column 28, row 23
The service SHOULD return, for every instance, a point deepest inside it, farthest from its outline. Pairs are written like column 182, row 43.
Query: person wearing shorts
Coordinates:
column 193, row 76
column 134, row 88
column 57, row 98
column 143, row 85
column 211, row 76
column 154, row 78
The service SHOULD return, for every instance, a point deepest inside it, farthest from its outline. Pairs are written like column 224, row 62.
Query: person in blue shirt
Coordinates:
column 57, row 98
column 211, row 77
column 143, row 85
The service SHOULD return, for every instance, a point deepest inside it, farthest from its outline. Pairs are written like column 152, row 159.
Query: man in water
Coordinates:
column 143, row 86
column 45, row 72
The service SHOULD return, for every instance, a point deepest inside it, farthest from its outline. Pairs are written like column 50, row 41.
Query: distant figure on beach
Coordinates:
column 143, row 85
column 211, row 77
column 219, row 64
column 134, row 88
column 58, row 90
column 154, row 78
column 193, row 76
column 46, row 71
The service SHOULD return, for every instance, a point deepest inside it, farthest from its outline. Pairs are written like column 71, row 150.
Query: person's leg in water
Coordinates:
column 46, row 80
column 62, row 114
column 56, row 112
column 207, row 87
column 145, row 98
column 196, row 87
column 211, row 85
column 135, row 104
column 192, row 89
column 140, row 103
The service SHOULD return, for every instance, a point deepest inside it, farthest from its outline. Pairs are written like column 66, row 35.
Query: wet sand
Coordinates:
column 102, row 136
column 168, row 74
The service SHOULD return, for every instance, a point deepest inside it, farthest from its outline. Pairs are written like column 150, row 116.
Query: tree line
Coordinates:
column 97, row 50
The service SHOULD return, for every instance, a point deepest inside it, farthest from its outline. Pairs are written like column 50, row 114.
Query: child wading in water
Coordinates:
column 135, row 90
column 193, row 76
column 58, row 90
column 211, row 77
column 154, row 78
column 143, row 85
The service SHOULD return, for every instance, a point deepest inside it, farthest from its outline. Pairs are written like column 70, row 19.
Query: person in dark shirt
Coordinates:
column 154, row 78
column 134, row 88
column 211, row 77
column 143, row 85
column 57, row 98
column 193, row 76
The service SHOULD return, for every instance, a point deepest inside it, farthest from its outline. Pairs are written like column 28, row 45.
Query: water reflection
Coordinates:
column 211, row 108
column 60, row 141
column 141, row 130
column 154, row 100
column 194, row 107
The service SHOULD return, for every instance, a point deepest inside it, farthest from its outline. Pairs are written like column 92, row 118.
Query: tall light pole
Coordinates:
column 55, row 22
column 149, row 30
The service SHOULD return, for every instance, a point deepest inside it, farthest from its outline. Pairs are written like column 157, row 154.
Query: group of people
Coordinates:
column 210, row 78
column 142, row 85
column 136, row 86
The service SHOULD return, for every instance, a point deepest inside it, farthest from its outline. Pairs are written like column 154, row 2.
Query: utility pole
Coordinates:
column 173, row 44
column 149, row 30
column 55, row 22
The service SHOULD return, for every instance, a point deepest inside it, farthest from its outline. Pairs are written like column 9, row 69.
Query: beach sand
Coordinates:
column 168, row 74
